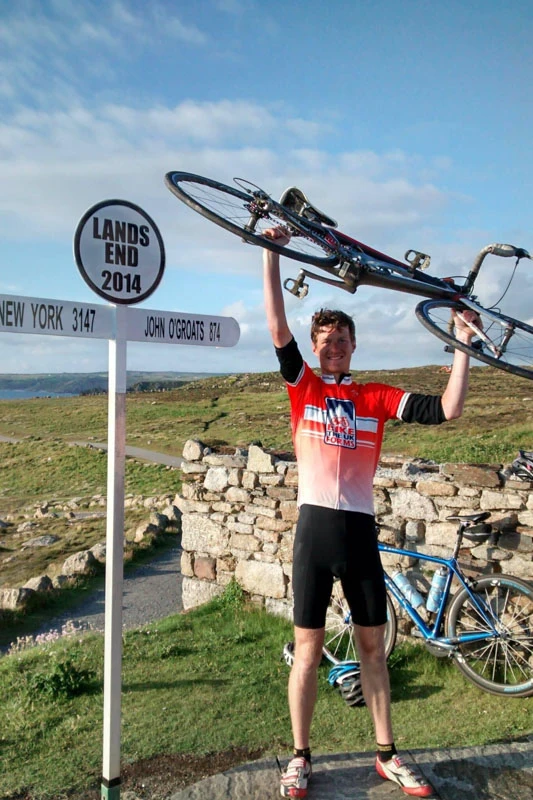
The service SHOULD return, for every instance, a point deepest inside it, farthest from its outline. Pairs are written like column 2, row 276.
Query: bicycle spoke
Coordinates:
column 339, row 639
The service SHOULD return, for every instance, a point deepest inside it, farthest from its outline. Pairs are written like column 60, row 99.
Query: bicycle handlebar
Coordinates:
column 508, row 250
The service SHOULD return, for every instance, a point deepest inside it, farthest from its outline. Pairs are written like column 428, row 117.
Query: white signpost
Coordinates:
column 120, row 254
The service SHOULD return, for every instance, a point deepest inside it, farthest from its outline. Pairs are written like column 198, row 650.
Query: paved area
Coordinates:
column 151, row 591
column 139, row 452
column 495, row 772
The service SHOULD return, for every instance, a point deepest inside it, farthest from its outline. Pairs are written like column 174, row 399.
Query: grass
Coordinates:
column 38, row 468
column 195, row 683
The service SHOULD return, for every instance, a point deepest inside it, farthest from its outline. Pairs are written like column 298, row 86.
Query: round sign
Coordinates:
column 119, row 251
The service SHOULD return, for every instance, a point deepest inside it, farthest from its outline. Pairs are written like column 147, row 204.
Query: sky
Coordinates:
column 408, row 121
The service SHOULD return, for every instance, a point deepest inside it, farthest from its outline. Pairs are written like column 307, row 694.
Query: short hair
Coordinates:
column 326, row 318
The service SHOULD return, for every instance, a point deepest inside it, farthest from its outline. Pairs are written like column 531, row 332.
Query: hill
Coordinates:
column 237, row 409
column 87, row 382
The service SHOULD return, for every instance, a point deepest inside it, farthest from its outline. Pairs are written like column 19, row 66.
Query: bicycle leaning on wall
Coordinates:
column 486, row 626
column 247, row 211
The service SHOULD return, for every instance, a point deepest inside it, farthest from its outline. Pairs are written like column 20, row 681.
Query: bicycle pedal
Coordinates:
column 417, row 260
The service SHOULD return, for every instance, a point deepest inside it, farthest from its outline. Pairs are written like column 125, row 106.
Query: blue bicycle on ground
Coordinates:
column 485, row 626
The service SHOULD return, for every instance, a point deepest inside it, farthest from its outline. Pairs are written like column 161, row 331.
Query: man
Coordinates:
column 337, row 430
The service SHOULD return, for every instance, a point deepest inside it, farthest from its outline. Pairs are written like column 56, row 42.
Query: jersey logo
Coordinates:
column 340, row 423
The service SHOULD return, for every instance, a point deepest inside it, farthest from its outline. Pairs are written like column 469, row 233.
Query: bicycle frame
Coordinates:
column 361, row 265
column 431, row 634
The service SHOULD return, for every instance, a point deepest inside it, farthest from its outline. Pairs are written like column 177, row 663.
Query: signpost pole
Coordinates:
column 114, row 558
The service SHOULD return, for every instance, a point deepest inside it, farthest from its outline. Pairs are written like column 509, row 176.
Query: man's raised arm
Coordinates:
column 274, row 303
column 455, row 393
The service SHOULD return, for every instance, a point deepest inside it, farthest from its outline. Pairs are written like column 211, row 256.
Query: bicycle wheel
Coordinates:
column 339, row 642
column 248, row 212
column 511, row 339
column 503, row 663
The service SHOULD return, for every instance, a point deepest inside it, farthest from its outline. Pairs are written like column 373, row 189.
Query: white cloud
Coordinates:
column 59, row 162
column 49, row 50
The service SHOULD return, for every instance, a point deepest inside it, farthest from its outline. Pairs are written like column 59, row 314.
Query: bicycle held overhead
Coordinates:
column 247, row 211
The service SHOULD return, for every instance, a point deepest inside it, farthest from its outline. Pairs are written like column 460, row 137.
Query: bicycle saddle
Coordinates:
column 295, row 200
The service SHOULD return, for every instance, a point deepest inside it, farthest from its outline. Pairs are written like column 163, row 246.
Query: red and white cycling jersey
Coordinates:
column 337, row 432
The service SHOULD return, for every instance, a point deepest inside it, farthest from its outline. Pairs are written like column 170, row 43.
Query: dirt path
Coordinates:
column 151, row 591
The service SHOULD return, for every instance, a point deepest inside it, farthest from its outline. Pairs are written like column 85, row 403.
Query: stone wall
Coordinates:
column 239, row 515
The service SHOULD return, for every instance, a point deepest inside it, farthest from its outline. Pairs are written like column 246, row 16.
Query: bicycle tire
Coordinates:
column 339, row 641
column 518, row 356
column 502, row 665
column 229, row 208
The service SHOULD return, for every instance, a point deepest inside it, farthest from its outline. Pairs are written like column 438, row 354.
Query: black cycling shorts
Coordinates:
column 331, row 544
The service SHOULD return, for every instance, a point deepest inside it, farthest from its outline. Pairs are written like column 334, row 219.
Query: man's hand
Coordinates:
column 464, row 332
column 280, row 235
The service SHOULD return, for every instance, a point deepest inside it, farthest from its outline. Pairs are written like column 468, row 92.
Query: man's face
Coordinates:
column 334, row 348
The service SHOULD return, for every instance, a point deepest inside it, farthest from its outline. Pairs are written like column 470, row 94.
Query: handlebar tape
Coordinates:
column 507, row 250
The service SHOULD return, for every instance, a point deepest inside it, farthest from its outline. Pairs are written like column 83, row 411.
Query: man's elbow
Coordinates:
column 453, row 412
column 280, row 334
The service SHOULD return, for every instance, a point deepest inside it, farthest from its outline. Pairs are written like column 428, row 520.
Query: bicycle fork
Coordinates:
column 497, row 352
column 509, row 328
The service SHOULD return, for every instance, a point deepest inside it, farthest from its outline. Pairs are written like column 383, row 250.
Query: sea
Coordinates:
column 23, row 394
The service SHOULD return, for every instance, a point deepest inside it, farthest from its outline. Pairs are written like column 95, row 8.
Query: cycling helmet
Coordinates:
column 346, row 676
column 288, row 654
column 522, row 466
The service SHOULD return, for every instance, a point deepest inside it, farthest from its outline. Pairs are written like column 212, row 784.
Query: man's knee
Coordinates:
column 308, row 647
column 371, row 643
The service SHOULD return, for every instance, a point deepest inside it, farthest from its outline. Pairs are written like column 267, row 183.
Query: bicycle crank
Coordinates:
column 440, row 649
